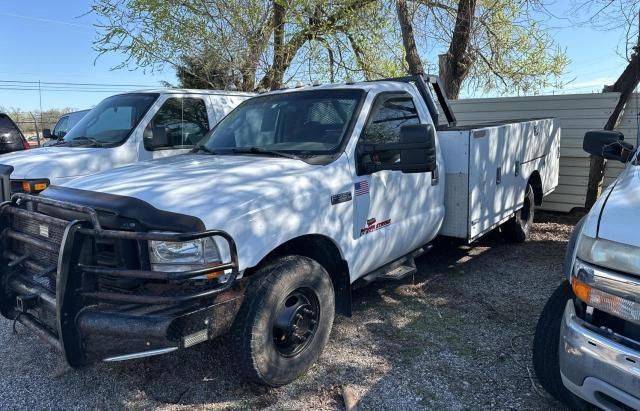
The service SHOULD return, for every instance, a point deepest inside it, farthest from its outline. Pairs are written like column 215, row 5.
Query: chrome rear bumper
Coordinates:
column 596, row 368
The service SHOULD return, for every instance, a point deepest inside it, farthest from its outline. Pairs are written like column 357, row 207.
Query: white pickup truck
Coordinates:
column 263, row 229
column 123, row 129
column 587, row 344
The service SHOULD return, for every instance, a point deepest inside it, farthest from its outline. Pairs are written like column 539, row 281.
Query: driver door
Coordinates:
column 389, row 212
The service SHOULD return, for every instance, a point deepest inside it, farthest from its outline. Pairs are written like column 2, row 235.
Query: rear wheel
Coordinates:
column 546, row 345
column 285, row 321
column 517, row 228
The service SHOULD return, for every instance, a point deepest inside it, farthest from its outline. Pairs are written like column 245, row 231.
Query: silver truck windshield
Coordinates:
column 305, row 122
column 111, row 121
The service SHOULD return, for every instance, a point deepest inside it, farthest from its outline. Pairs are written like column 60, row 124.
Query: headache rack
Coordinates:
column 56, row 258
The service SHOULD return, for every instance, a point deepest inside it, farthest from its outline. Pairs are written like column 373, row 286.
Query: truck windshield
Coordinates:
column 111, row 121
column 300, row 123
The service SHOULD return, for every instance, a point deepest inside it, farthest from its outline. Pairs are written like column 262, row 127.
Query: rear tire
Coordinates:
column 546, row 344
column 517, row 228
column 285, row 321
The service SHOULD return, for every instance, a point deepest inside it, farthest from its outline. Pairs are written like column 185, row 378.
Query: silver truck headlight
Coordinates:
column 610, row 254
column 183, row 256
column 603, row 300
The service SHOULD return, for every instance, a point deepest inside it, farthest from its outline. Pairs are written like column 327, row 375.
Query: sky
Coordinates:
column 51, row 42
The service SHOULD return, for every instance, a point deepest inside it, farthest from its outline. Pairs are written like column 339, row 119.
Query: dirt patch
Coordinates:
column 455, row 336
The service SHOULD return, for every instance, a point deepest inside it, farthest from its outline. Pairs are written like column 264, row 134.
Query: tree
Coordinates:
column 456, row 63
column 210, row 42
column 408, row 39
column 206, row 40
column 496, row 45
column 607, row 14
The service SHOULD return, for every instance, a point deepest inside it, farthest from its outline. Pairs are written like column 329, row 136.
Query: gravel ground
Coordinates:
column 455, row 336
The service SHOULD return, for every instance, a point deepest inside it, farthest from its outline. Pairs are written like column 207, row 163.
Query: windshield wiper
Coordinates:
column 205, row 149
column 260, row 150
column 90, row 140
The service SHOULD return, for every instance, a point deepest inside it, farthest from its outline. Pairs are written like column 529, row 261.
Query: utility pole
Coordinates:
column 40, row 96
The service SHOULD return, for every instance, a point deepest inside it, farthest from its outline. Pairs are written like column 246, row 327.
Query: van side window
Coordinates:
column 389, row 113
column 180, row 123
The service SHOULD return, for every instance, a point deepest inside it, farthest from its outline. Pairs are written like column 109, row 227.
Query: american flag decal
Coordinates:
column 362, row 187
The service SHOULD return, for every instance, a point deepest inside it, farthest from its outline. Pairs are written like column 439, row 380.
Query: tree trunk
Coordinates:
column 626, row 83
column 456, row 63
column 408, row 39
column 277, row 74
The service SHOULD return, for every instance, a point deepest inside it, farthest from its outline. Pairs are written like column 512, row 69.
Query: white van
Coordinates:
column 123, row 129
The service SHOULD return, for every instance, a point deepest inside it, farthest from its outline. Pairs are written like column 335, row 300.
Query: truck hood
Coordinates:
column 620, row 212
column 57, row 162
column 215, row 189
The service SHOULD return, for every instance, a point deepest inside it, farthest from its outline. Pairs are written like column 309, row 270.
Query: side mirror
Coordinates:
column 46, row 133
column 607, row 144
column 414, row 153
column 156, row 137
column 419, row 155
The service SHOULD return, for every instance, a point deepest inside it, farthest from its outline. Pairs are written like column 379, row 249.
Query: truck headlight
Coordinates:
column 609, row 254
column 183, row 256
column 620, row 307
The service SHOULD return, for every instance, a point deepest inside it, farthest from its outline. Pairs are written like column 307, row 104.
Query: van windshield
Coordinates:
column 112, row 121
column 305, row 122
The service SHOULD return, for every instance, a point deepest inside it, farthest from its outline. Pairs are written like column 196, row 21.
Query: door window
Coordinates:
column 389, row 113
column 61, row 127
column 180, row 123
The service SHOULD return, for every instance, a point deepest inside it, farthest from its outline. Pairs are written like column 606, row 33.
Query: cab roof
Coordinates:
column 193, row 91
column 375, row 86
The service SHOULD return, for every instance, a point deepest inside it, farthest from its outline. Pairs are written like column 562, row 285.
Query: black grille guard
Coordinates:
column 91, row 227
column 70, row 297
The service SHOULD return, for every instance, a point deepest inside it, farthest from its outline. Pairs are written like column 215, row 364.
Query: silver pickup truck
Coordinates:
column 587, row 344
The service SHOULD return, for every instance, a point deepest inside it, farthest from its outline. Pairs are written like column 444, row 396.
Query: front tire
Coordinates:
column 517, row 228
column 546, row 344
column 285, row 321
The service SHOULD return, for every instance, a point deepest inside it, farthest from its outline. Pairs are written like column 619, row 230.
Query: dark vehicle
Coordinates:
column 11, row 138
column 64, row 124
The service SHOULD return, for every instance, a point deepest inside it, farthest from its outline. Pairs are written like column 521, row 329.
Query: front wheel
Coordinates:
column 517, row 228
column 546, row 342
column 285, row 321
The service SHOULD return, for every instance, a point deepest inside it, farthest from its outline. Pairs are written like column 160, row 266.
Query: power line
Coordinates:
column 63, row 90
column 76, row 84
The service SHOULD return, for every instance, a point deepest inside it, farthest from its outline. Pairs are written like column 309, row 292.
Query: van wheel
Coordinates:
column 284, row 322
column 546, row 345
column 517, row 228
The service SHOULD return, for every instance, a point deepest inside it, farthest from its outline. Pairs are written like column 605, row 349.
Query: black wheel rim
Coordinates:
column 296, row 322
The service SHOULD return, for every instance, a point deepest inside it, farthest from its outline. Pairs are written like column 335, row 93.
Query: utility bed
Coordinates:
column 487, row 168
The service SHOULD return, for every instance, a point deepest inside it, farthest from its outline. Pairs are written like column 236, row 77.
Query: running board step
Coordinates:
column 398, row 273
column 398, row 269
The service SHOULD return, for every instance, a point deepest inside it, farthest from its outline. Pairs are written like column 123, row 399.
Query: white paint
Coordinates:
column 63, row 164
column 576, row 114
column 476, row 201
column 262, row 202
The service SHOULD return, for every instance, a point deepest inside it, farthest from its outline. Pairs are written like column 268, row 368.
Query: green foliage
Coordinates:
column 215, row 43
column 513, row 51
column 510, row 50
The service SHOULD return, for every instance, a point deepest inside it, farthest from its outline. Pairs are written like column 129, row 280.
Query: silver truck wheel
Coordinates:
column 285, row 321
